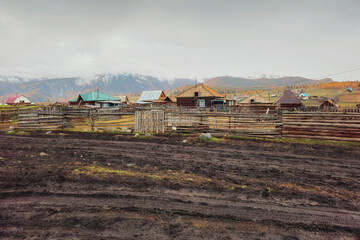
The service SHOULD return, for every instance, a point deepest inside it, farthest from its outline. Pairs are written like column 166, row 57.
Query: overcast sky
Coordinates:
column 180, row 38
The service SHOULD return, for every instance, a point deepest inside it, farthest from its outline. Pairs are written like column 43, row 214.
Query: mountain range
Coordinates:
column 260, row 83
column 53, row 89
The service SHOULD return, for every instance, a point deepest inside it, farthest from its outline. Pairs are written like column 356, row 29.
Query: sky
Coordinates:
column 180, row 38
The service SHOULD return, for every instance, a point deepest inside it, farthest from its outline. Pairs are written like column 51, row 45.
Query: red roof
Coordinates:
column 12, row 99
column 63, row 101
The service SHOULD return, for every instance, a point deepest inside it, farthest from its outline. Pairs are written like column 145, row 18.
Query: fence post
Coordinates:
column 279, row 115
column 92, row 122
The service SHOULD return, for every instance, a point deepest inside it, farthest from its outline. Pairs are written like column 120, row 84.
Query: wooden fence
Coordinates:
column 223, row 122
column 341, row 126
column 149, row 120
column 243, row 121
column 76, row 119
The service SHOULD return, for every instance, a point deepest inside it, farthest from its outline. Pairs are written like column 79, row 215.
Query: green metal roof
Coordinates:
column 94, row 96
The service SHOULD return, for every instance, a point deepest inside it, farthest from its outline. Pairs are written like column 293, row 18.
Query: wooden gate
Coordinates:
column 149, row 120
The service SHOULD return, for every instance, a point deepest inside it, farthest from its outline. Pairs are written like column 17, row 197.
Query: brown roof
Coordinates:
column 288, row 97
column 123, row 98
column 256, row 99
column 203, row 91
column 330, row 103
column 170, row 99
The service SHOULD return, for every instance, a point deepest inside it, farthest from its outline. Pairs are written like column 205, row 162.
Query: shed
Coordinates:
column 17, row 99
column 289, row 100
column 198, row 96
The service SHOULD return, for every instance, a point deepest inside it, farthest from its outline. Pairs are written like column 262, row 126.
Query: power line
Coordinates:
column 352, row 70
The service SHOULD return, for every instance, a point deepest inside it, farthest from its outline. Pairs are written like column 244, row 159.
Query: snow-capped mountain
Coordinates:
column 44, row 90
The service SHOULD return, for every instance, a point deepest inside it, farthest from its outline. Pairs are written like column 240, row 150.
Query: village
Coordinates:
column 180, row 173
column 177, row 120
column 197, row 109
column 198, row 96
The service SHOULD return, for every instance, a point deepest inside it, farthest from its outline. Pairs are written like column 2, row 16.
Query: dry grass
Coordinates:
column 338, row 193
column 350, row 98
column 142, row 173
column 124, row 119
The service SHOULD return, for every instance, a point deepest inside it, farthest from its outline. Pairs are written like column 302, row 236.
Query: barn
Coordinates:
column 17, row 99
column 198, row 96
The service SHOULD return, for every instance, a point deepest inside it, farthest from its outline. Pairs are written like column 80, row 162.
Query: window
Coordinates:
column 202, row 103
column 196, row 94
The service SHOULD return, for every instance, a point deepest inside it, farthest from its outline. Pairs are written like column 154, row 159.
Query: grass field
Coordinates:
column 15, row 108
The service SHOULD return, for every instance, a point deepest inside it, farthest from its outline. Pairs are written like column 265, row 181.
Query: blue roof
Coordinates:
column 95, row 96
column 304, row 94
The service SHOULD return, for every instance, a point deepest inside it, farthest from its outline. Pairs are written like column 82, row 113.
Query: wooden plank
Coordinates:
column 348, row 121
column 322, row 124
column 114, row 114
column 320, row 133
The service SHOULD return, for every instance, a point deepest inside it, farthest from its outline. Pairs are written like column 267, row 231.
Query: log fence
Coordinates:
column 341, row 126
column 264, row 121
column 76, row 119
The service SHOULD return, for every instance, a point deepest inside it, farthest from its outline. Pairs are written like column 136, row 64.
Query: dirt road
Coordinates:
column 103, row 186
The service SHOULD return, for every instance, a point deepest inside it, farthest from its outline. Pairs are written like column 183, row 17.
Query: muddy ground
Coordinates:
column 106, row 186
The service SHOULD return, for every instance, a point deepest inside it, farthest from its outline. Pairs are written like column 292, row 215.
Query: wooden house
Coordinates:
column 63, row 102
column 123, row 99
column 328, row 104
column 95, row 99
column 17, row 100
column 153, row 97
column 198, row 96
column 289, row 100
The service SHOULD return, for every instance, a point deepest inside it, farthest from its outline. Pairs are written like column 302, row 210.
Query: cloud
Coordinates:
column 179, row 38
